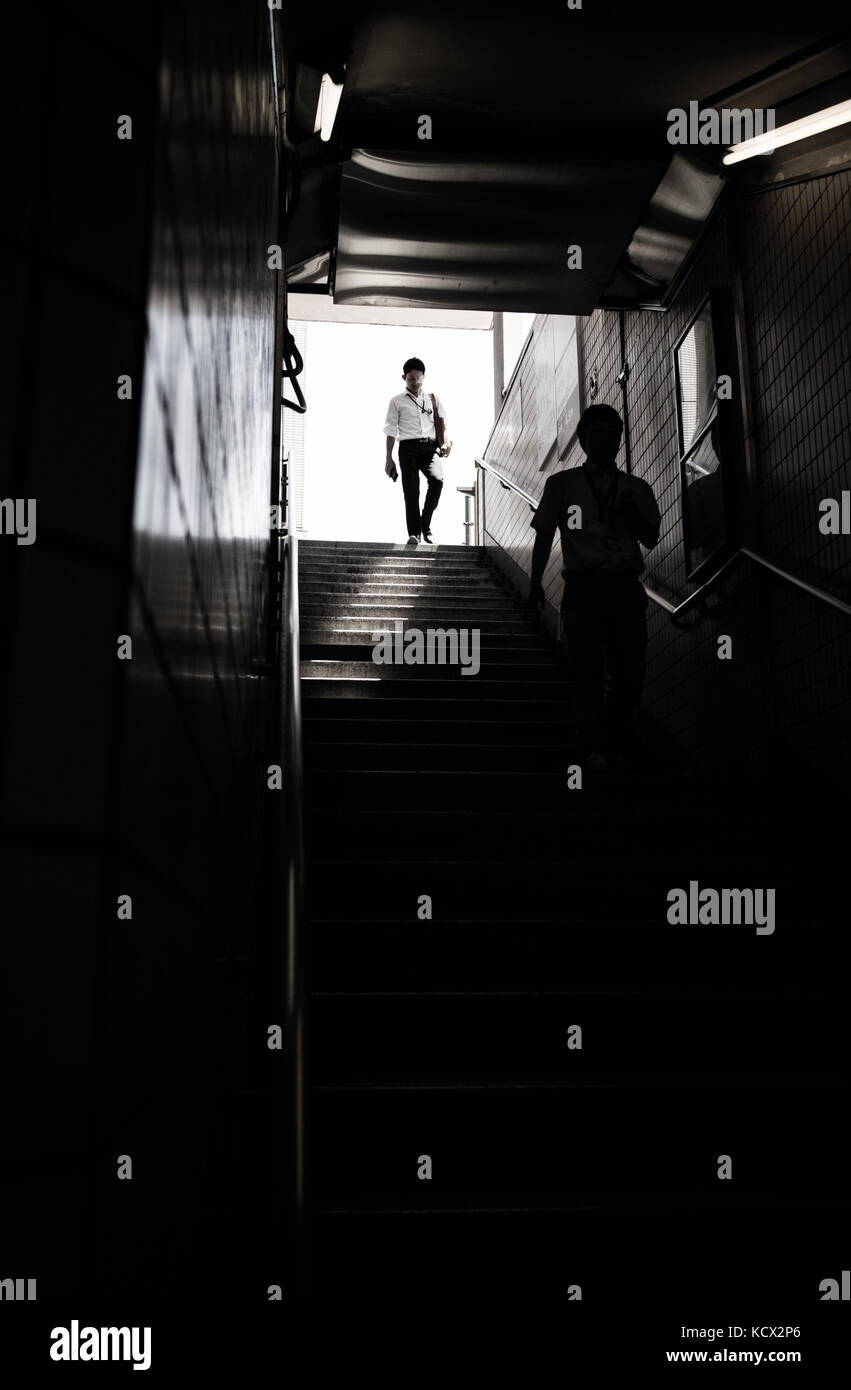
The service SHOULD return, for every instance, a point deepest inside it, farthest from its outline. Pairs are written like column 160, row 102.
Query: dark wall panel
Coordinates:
column 796, row 254
column 192, row 783
column 144, row 777
column 73, row 259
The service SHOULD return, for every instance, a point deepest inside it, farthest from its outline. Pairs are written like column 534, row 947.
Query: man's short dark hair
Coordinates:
column 413, row 364
column 596, row 412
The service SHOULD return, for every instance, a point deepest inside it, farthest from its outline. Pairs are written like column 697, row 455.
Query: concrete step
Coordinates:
column 410, row 598
column 389, row 571
column 402, row 576
column 490, row 653
column 578, row 830
column 431, row 593
column 359, row 551
column 434, row 596
column 501, row 1146
column 520, row 646
column 447, row 757
column 491, row 669
column 426, row 568
column 564, row 884
column 432, row 612
column 483, row 687
column 309, row 544
column 508, row 722
column 540, row 952
column 441, row 1039
column 426, row 732
column 611, row 1250
column 512, row 625
column 397, row 702
column 484, row 792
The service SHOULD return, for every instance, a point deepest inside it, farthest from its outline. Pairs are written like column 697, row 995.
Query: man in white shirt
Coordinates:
column 421, row 431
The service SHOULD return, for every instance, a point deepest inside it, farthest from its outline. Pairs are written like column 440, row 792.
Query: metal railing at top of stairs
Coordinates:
column 743, row 553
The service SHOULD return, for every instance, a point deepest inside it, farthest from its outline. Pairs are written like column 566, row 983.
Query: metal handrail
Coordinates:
column 287, row 954
column 743, row 552
column 507, row 483
column 811, row 589
column 295, row 1003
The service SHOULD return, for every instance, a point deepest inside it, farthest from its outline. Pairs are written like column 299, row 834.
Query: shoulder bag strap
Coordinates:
column 439, row 427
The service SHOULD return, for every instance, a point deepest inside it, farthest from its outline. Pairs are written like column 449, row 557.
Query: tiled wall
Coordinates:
column 787, row 686
column 142, row 777
column 796, row 264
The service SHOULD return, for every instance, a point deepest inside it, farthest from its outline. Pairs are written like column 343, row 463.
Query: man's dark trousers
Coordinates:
column 604, row 629
column 415, row 456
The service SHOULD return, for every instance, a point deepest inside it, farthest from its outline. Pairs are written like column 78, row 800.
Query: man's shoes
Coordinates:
column 413, row 540
column 427, row 537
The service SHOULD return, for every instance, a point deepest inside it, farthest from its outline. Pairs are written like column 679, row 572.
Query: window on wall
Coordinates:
column 704, row 362
column 696, row 373
column 515, row 331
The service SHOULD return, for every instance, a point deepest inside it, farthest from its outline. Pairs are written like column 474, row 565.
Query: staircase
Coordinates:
column 552, row 1165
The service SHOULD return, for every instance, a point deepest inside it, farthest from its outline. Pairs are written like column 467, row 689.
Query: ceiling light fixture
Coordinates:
column 326, row 109
column 787, row 134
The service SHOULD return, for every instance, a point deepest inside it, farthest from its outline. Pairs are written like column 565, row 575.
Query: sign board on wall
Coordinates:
column 545, row 385
column 515, row 416
column 568, row 396
column 557, row 382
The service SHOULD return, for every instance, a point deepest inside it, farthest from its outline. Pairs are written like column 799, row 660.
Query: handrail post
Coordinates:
column 469, row 519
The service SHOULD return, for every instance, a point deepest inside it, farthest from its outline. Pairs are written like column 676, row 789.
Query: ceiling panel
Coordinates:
column 547, row 128
column 452, row 233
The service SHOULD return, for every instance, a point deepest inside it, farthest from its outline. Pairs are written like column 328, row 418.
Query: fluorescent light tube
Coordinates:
column 787, row 134
column 326, row 110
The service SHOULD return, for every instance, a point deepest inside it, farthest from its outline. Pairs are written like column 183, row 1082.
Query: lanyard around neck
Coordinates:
column 603, row 503
column 416, row 403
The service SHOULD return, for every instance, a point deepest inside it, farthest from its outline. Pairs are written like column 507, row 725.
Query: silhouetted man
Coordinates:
column 602, row 514
column 419, row 421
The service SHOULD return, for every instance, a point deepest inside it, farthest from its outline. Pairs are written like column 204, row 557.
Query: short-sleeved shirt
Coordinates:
column 412, row 417
column 602, row 542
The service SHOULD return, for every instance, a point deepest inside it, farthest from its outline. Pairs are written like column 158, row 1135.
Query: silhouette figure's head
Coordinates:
column 599, row 432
